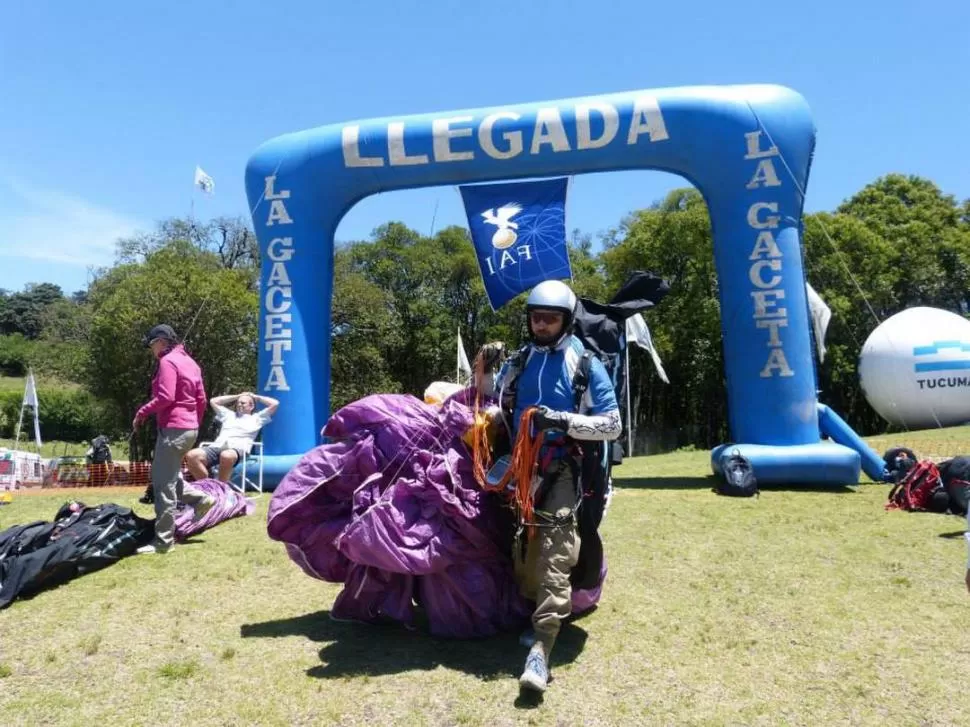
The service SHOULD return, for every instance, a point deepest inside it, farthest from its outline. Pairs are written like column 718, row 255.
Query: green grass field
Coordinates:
column 802, row 607
column 18, row 383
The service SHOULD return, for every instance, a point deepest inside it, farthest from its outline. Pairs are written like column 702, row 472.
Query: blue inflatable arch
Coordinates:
column 746, row 148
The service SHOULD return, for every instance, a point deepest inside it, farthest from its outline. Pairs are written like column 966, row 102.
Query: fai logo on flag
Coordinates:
column 520, row 243
column 504, row 236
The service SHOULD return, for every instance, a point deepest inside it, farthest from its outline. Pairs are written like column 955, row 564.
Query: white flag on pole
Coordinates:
column 821, row 315
column 30, row 399
column 204, row 182
column 463, row 366
column 638, row 333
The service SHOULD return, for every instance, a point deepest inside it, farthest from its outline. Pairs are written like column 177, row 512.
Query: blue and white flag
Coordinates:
column 519, row 231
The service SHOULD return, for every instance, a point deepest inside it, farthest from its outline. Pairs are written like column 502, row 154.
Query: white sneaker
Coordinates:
column 536, row 673
column 151, row 549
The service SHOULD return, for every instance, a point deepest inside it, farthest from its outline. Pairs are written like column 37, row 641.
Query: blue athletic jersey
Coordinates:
column 547, row 380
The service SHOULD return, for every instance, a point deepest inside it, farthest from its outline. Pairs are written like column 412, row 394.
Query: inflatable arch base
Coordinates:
column 822, row 463
column 836, row 461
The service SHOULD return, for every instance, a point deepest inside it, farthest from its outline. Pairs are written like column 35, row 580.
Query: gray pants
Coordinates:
column 171, row 447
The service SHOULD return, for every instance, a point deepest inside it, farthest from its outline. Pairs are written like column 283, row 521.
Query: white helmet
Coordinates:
column 553, row 295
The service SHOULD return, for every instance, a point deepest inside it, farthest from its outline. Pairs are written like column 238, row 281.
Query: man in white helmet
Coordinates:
column 543, row 376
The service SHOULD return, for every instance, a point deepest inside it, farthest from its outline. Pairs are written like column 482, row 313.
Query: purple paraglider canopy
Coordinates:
column 390, row 508
column 229, row 503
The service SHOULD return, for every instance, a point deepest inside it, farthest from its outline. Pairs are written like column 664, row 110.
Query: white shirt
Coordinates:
column 239, row 430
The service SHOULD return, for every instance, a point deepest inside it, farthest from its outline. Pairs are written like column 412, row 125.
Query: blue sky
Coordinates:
column 109, row 106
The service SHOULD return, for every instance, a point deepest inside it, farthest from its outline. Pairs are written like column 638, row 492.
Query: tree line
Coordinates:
column 400, row 296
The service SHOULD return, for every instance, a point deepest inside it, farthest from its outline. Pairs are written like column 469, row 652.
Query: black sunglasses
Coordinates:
column 547, row 317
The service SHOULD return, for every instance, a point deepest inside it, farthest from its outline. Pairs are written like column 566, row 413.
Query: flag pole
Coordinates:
column 36, row 407
column 458, row 358
column 20, row 421
column 434, row 216
column 23, row 405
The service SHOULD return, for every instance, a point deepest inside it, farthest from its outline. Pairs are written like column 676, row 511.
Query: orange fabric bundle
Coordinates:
column 525, row 462
column 481, row 447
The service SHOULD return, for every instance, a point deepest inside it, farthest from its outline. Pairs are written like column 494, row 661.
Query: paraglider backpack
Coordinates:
column 955, row 474
column 921, row 488
column 737, row 478
column 100, row 450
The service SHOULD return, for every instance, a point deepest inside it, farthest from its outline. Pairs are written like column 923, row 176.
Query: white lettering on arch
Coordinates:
column 512, row 139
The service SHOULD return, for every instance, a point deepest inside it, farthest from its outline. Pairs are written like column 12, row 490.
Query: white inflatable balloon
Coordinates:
column 915, row 369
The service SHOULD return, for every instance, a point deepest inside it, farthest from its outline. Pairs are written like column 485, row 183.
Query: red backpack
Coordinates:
column 917, row 489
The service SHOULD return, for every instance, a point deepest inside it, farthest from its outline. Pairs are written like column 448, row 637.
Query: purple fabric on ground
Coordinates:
column 229, row 503
column 585, row 599
column 390, row 508
column 371, row 594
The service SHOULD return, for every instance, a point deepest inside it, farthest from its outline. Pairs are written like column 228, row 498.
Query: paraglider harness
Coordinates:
column 921, row 488
column 590, row 464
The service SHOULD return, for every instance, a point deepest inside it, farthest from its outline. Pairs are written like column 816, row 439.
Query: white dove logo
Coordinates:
column 504, row 237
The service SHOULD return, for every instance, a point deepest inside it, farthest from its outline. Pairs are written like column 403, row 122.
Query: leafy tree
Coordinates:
column 229, row 239
column 24, row 312
column 927, row 236
column 588, row 279
column 213, row 308
column 15, row 352
column 673, row 239
column 363, row 332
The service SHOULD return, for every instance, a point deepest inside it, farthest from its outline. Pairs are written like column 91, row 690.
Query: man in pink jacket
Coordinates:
column 178, row 403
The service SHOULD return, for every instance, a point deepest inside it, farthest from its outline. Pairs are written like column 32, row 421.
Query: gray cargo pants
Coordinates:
column 172, row 445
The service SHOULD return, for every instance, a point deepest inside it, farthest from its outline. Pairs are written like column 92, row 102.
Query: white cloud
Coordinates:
column 53, row 226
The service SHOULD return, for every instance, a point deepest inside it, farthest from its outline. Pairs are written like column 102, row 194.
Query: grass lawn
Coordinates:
column 802, row 607
column 19, row 383
column 12, row 383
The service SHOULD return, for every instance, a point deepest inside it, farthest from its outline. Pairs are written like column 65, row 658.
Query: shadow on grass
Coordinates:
column 710, row 482
column 356, row 649
column 816, row 488
column 955, row 535
column 664, row 483
column 528, row 699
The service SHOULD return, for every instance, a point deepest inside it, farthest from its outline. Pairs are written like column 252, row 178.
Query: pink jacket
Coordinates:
column 178, row 395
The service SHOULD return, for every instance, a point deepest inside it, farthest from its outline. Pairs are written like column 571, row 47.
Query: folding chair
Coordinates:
column 255, row 453
column 239, row 477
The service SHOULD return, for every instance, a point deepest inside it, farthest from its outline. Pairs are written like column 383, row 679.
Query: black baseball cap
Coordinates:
column 160, row 331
